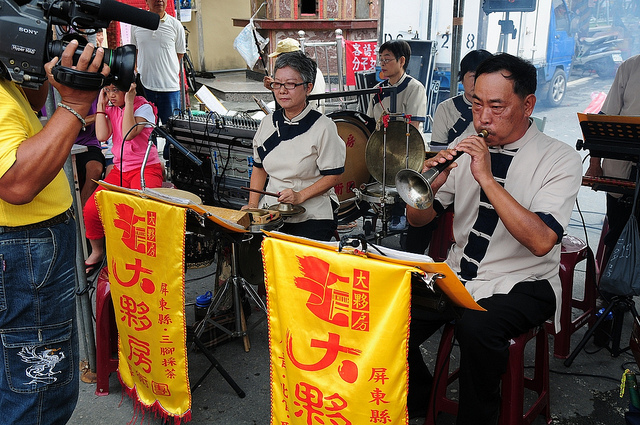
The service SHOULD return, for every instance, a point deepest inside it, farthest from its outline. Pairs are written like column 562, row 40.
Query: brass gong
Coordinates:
column 402, row 152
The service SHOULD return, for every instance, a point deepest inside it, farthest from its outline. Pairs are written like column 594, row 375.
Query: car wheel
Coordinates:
column 557, row 88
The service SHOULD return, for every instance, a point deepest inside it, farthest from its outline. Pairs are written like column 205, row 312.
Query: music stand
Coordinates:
column 615, row 137
column 234, row 285
column 379, row 147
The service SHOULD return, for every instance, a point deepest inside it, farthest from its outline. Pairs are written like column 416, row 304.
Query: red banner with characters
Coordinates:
column 338, row 335
column 146, row 271
column 359, row 56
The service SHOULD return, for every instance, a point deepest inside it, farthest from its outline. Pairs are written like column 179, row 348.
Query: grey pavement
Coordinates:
column 587, row 392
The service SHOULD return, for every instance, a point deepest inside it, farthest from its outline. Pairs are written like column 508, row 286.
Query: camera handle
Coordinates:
column 89, row 81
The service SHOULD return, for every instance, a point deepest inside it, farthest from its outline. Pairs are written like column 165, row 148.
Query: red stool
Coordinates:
column 106, row 334
column 601, row 253
column 574, row 250
column 514, row 380
column 442, row 237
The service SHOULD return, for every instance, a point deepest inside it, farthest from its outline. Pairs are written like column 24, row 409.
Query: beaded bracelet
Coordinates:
column 74, row 112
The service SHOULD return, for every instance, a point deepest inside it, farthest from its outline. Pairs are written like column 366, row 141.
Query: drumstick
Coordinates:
column 261, row 191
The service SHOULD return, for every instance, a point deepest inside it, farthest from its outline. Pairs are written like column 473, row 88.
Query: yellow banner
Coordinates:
column 338, row 335
column 145, row 253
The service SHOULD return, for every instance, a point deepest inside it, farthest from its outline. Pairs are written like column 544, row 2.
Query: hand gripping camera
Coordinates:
column 26, row 42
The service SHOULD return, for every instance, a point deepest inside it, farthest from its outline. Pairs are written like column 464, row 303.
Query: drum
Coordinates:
column 372, row 193
column 179, row 194
column 199, row 244
column 354, row 129
column 401, row 152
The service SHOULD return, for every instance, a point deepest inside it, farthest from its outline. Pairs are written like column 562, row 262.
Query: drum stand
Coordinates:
column 386, row 200
column 234, row 285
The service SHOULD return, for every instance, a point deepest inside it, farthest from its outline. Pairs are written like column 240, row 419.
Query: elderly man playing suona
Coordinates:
column 513, row 192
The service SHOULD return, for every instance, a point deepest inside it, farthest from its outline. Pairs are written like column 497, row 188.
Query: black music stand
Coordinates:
column 615, row 137
column 235, row 285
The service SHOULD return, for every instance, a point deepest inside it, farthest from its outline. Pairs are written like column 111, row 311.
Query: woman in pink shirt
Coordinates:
column 117, row 114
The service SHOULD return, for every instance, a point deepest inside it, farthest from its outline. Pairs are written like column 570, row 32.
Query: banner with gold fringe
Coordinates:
column 146, row 270
column 338, row 335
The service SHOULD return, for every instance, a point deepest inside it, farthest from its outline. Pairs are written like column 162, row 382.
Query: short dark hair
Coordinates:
column 522, row 72
column 300, row 62
column 399, row 48
column 471, row 60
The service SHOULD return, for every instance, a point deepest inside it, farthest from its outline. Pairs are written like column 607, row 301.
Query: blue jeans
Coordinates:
column 39, row 375
column 168, row 103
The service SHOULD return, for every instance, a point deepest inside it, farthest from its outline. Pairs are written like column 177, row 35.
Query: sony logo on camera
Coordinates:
column 28, row 30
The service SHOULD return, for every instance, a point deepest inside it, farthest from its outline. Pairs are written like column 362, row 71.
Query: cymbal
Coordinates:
column 401, row 152
column 287, row 210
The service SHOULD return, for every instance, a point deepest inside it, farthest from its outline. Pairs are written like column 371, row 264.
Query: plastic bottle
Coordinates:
column 202, row 305
column 630, row 383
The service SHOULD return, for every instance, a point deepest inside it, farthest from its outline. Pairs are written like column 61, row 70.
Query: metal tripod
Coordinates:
column 235, row 285
column 618, row 304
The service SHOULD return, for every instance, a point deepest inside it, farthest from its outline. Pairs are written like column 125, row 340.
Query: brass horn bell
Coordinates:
column 415, row 188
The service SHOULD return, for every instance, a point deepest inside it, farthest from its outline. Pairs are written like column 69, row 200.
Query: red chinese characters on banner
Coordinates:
column 329, row 303
column 335, row 306
column 378, row 378
column 338, row 329
column 139, row 235
column 359, row 56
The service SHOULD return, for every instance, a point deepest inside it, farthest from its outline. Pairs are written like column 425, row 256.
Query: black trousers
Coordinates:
column 483, row 337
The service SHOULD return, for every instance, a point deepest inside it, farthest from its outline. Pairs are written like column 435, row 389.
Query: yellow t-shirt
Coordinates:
column 17, row 123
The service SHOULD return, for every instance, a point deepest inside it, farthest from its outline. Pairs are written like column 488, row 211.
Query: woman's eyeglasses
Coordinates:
column 114, row 90
column 288, row 86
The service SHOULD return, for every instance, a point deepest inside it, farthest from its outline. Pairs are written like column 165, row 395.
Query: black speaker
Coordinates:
column 508, row 6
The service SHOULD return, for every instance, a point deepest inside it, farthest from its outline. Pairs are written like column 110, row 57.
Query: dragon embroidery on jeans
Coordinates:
column 41, row 370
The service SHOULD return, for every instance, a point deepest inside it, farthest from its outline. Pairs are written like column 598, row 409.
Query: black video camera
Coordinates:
column 27, row 40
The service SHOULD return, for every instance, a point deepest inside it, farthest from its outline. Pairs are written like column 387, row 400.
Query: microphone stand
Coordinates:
column 168, row 139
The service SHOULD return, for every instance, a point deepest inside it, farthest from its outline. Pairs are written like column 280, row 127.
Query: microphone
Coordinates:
column 178, row 146
column 112, row 10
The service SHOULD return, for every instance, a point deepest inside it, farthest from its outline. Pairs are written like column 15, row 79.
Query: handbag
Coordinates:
column 621, row 275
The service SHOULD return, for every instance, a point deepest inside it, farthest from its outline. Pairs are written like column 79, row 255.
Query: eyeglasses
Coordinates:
column 385, row 61
column 288, row 86
column 114, row 90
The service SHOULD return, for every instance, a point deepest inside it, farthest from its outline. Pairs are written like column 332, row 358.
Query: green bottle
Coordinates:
column 631, row 384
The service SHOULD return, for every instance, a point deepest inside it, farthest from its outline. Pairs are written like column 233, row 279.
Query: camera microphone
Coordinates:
column 112, row 10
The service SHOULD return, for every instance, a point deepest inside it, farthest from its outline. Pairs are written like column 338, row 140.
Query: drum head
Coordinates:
column 401, row 152
column 354, row 129
column 178, row 193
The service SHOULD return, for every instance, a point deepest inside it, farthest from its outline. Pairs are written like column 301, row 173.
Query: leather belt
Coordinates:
column 60, row 218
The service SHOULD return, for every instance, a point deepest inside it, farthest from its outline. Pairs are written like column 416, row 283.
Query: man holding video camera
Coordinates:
column 39, row 339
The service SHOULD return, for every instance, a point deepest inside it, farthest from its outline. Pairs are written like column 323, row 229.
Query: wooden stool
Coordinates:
column 106, row 335
column 513, row 381
column 574, row 250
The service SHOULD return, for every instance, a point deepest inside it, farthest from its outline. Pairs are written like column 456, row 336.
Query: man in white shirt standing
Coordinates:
column 160, row 55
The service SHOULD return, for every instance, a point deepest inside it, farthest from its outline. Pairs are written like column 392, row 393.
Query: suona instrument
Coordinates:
column 415, row 188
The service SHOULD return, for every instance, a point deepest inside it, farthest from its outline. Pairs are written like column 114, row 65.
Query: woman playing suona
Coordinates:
column 117, row 113
column 300, row 152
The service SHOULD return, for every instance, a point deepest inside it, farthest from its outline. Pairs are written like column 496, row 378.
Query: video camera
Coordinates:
column 27, row 40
